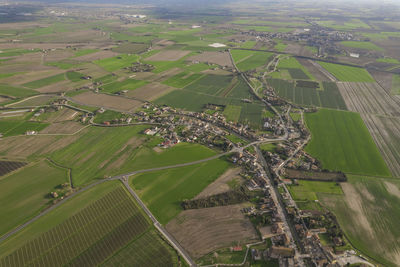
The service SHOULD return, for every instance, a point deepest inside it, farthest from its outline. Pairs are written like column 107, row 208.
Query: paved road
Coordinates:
column 159, row 227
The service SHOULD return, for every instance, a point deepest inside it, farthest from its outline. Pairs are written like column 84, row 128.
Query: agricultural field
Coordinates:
column 308, row 94
column 306, row 193
column 182, row 79
column 45, row 81
column 128, row 84
column 368, row 212
column 361, row 45
column 201, row 231
column 220, row 90
column 10, row 166
column 341, row 141
column 17, row 92
column 232, row 113
column 109, row 151
column 247, row 60
column 25, row 192
column 148, row 250
column 396, row 84
column 20, row 127
column 347, row 73
column 116, row 63
column 293, row 67
column 163, row 191
column 87, row 241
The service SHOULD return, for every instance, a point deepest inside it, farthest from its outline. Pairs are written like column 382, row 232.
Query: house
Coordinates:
column 276, row 252
column 31, row 133
column 237, row 248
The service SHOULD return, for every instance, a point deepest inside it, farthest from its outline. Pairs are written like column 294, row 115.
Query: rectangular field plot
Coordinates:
column 116, row 63
column 45, row 81
column 329, row 97
column 347, row 73
column 9, row 90
column 295, row 69
column 25, row 192
column 210, row 84
column 251, row 112
column 148, row 250
column 341, row 141
column 163, row 191
column 9, row 166
column 247, row 60
column 88, row 237
column 128, row 84
column 18, row 127
column 182, row 79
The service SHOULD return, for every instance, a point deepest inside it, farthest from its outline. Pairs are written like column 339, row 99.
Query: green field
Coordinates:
column 232, row 113
column 13, row 91
column 163, row 191
column 347, row 73
column 74, row 76
column 24, row 192
column 369, row 213
column 148, row 250
column 83, row 52
column 19, row 127
column 210, row 84
column 341, row 141
column 128, row 84
column 362, row 45
column 251, row 113
column 396, row 84
column 116, row 63
column 329, row 97
column 308, row 190
column 45, row 81
column 109, row 151
column 131, row 48
column 344, row 26
column 86, row 240
column 388, row 60
column 247, row 60
column 182, row 79
column 295, row 69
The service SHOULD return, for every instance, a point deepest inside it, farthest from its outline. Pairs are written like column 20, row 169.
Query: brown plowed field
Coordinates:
column 168, row 55
column 150, row 91
column 368, row 98
column 201, row 231
column 386, row 133
column 68, row 127
column 314, row 70
column 107, row 101
column 219, row 58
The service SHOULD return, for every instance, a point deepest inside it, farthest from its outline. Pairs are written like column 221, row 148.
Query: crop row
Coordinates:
column 79, row 232
column 148, row 250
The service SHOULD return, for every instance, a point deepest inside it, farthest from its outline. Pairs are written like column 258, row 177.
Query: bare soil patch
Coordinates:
column 221, row 184
column 201, row 231
column 354, row 202
column 368, row 98
column 62, row 86
column 58, row 55
column 33, row 101
column 21, row 147
column 150, row 91
column 68, row 127
column 168, row 55
column 383, row 78
column 219, row 58
column 386, row 133
column 97, row 55
column 31, row 76
column 392, row 189
column 107, row 101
